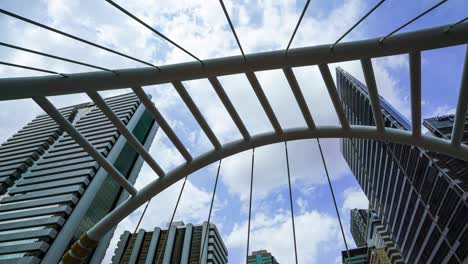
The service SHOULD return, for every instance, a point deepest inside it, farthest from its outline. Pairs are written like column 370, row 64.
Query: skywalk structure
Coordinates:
column 395, row 43
column 53, row 190
column 419, row 195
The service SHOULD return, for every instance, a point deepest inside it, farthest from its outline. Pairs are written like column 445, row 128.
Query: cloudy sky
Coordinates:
column 200, row 26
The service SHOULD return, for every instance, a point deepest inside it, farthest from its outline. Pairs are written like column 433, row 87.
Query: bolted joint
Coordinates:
column 79, row 250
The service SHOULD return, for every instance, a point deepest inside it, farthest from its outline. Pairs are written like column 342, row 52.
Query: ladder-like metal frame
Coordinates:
column 411, row 43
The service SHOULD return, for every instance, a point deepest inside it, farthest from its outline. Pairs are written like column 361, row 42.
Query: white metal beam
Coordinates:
column 330, row 84
column 162, row 123
column 229, row 107
column 402, row 43
column 415, row 80
column 50, row 109
column 264, row 101
column 288, row 72
column 196, row 113
column 132, row 140
column 462, row 106
column 373, row 93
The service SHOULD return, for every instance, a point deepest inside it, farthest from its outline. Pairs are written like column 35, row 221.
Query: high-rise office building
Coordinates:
column 359, row 219
column 420, row 204
column 179, row 243
column 261, row 257
column 382, row 249
column 368, row 232
column 53, row 191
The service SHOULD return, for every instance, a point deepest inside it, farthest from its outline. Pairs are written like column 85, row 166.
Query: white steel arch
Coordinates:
column 411, row 43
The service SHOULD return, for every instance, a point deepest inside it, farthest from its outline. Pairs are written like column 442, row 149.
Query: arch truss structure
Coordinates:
column 410, row 43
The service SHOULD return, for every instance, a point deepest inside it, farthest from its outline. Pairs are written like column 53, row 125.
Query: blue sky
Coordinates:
column 200, row 26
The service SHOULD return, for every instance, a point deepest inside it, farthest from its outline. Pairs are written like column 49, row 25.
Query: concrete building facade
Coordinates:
column 179, row 243
column 53, row 190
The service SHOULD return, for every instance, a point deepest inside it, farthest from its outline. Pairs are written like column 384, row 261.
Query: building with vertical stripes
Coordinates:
column 179, row 243
column 416, row 194
column 53, row 191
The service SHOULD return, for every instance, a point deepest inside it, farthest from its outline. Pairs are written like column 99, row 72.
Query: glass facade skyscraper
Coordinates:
column 53, row 190
column 261, row 257
column 416, row 194
column 359, row 221
column 179, row 243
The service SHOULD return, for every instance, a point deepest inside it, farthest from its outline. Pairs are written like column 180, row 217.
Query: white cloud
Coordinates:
column 316, row 234
column 354, row 198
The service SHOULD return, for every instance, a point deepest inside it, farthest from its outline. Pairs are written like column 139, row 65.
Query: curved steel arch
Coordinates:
column 152, row 189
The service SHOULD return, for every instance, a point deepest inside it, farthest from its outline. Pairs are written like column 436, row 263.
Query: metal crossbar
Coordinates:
column 162, row 123
column 50, row 109
column 197, row 114
column 229, row 107
column 132, row 140
column 462, row 106
column 415, row 81
column 264, row 101
column 288, row 72
column 373, row 93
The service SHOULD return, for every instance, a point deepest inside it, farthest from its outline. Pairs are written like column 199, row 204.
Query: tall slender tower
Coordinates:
column 53, row 190
column 420, row 203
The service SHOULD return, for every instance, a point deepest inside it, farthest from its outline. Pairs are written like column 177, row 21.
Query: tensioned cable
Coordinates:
column 412, row 20
column 297, row 25
column 55, row 57
column 173, row 215
column 31, row 68
column 3, row 11
column 123, row 10
column 232, row 28
column 209, row 214
column 290, row 199
column 357, row 23
column 455, row 24
column 250, row 205
column 333, row 196
column 141, row 216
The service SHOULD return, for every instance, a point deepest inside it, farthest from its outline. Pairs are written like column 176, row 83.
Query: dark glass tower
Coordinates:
column 179, row 243
column 53, row 190
column 359, row 226
column 421, row 204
